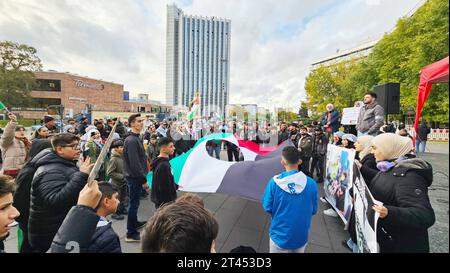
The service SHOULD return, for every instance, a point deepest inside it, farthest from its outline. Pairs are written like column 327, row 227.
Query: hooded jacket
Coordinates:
column 54, row 190
column 404, row 192
column 164, row 189
column 291, row 199
column 14, row 151
column 115, row 170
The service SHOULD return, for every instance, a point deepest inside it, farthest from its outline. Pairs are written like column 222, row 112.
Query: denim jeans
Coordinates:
column 134, row 189
column 420, row 146
column 216, row 149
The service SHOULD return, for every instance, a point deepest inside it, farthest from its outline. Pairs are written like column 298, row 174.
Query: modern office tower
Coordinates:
column 197, row 60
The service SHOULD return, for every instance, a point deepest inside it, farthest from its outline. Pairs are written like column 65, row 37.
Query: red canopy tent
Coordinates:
column 433, row 73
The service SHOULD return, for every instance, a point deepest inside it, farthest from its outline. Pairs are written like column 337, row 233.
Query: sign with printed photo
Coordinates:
column 338, row 180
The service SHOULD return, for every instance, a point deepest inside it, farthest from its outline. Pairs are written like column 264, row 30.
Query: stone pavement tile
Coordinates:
column 337, row 245
column 318, row 224
column 321, row 239
column 227, row 220
column 134, row 247
column 234, row 203
column 313, row 248
column 214, row 201
column 333, row 223
column 241, row 236
column 264, row 242
column 253, row 217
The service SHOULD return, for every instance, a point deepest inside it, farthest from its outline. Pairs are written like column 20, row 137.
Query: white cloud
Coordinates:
column 273, row 42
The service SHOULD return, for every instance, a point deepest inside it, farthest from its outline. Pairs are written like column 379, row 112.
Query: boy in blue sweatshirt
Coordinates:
column 291, row 199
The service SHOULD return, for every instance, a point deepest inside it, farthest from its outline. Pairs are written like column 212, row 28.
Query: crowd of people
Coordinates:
column 43, row 182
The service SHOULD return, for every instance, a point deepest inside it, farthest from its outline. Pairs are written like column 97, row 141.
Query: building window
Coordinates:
column 141, row 109
column 47, row 85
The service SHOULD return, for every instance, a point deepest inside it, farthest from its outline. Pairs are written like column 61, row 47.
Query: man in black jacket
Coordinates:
column 23, row 190
column 319, row 154
column 305, row 147
column 135, row 166
column 55, row 188
column 164, row 189
column 283, row 134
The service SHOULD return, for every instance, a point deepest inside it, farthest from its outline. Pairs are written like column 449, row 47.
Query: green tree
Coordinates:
column 17, row 64
column 329, row 84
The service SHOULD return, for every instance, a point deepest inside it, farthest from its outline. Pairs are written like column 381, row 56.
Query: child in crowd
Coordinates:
column 105, row 239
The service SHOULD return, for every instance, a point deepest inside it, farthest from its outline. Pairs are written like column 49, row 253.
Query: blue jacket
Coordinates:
column 291, row 198
column 334, row 122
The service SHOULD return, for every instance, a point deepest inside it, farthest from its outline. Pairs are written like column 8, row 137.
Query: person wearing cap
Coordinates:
column 115, row 171
column 348, row 141
column 337, row 138
column 319, row 153
column 402, row 187
column 50, row 123
column 14, row 147
column 152, row 148
column 330, row 120
column 305, row 147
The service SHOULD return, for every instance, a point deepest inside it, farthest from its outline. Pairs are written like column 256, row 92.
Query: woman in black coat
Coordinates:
column 402, row 186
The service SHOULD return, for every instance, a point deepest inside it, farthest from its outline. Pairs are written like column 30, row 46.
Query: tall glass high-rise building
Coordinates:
column 197, row 60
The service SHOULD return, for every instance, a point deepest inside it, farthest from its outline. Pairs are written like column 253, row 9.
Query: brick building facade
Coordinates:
column 76, row 92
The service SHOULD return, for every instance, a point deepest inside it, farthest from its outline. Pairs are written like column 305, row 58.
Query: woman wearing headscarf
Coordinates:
column 337, row 138
column 348, row 141
column 402, row 186
column 363, row 148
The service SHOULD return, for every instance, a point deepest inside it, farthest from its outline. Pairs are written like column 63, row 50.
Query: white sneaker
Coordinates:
column 323, row 200
column 330, row 212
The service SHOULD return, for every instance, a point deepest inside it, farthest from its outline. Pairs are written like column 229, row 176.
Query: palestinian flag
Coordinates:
column 196, row 171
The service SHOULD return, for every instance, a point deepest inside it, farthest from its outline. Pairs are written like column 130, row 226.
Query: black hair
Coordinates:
column 164, row 141
column 132, row 118
column 116, row 143
column 372, row 94
column 7, row 185
column 63, row 139
column 291, row 155
column 107, row 190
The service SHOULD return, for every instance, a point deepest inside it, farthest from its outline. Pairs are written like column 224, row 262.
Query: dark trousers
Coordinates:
column 304, row 167
column 122, row 190
column 134, row 189
column 231, row 153
column 318, row 164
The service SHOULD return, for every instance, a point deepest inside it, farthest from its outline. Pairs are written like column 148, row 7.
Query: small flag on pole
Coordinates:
column 194, row 109
column 2, row 106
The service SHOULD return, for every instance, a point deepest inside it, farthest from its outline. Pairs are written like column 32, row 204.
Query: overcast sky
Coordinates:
column 273, row 42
